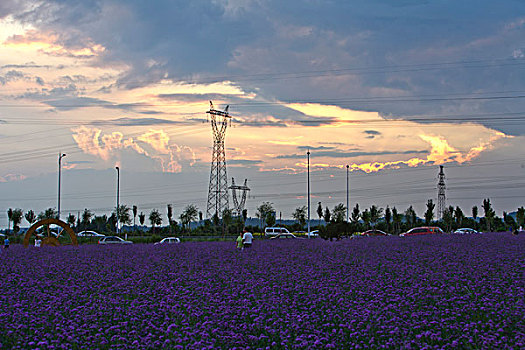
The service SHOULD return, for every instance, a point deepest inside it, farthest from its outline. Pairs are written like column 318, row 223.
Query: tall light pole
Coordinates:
column 60, row 156
column 308, row 172
column 347, row 195
column 118, row 185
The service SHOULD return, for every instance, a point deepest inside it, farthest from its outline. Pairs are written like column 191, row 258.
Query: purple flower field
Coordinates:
column 430, row 292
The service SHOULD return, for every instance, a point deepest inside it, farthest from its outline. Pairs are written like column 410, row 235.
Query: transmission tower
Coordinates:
column 239, row 206
column 441, row 192
column 218, row 189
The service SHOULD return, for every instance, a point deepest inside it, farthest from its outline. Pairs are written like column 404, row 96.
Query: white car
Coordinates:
column 274, row 231
column 168, row 240
column 90, row 234
column 112, row 240
column 312, row 234
column 283, row 235
column 466, row 231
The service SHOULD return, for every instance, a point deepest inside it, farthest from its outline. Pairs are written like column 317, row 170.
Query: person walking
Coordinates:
column 247, row 239
column 6, row 242
column 239, row 242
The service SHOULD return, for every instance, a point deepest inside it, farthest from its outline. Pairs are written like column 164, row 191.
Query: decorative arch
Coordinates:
column 50, row 240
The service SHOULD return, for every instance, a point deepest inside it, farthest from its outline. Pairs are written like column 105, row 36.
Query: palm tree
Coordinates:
column 30, row 217
column 339, row 213
column 9, row 218
column 190, row 214
column 155, row 218
column 300, row 215
column 17, row 219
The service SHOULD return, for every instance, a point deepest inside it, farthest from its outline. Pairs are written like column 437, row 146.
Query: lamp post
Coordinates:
column 347, row 195
column 118, row 185
column 308, row 172
column 60, row 156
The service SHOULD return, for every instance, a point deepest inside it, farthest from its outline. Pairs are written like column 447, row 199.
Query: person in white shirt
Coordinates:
column 38, row 242
column 247, row 238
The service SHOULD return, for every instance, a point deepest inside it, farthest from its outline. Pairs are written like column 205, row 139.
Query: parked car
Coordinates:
column 284, row 235
column 273, row 231
column 425, row 230
column 168, row 240
column 90, row 234
column 466, row 231
column 112, row 240
column 313, row 234
column 375, row 233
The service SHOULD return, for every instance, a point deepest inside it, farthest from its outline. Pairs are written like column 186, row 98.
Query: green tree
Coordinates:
column 458, row 216
column 227, row 219
column 189, row 214
column 388, row 217
column 30, row 217
column 155, row 218
column 509, row 221
column 375, row 214
column 475, row 212
column 411, row 217
column 366, row 217
column 448, row 218
column 135, row 210
column 300, row 215
column 489, row 213
column 429, row 214
column 319, row 212
column 263, row 212
column 170, row 215
column 327, row 215
column 71, row 220
column 244, row 216
column 339, row 213
column 86, row 218
column 356, row 214
column 9, row 219
column 17, row 217
column 142, row 218
column 396, row 219
column 520, row 217
column 124, row 216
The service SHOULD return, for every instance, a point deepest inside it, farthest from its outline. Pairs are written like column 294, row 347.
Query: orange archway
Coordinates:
column 50, row 240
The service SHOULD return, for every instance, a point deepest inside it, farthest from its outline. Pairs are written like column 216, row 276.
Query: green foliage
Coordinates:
column 30, row 217
column 334, row 230
column 327, row 215
column 339, row 213
column 300, row 215
column 429, row 214
column 489, row 214
column 375, row 214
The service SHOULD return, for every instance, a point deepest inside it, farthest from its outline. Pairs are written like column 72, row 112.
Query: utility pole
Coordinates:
column 118, row 190
column 308, row 172
column 60, row 156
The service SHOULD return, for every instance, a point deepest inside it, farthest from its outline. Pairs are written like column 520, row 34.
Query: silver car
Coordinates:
column 113, row 240
column 168, row 240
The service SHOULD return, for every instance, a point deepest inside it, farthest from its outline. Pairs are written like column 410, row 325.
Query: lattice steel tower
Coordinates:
column 441, row 192
column 218, row 189
column 239, row 206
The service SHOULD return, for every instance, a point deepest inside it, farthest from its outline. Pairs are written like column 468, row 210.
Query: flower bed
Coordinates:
column 385, row 292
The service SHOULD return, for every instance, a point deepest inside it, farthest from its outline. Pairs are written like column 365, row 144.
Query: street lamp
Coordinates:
column 308, row 172
column 347, row 195
column 60, row 156
column 118, row 185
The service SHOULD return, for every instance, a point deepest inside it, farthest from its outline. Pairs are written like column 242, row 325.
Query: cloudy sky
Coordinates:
column 391, row 88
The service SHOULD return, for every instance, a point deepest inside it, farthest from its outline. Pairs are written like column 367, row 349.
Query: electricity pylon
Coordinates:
column 218, row 189
column 441, row 192
column 239, row 206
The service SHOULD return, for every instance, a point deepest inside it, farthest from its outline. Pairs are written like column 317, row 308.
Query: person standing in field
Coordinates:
column 247, row 238
column 38, row 242
column 239, row 242
column 6, row 242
